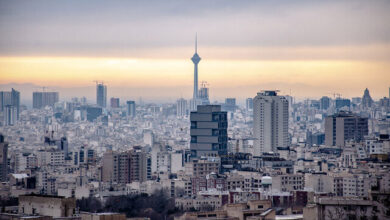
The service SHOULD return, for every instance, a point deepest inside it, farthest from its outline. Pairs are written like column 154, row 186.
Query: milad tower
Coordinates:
column 196, row 59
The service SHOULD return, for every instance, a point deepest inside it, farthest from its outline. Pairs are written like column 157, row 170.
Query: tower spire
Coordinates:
column 196, row 42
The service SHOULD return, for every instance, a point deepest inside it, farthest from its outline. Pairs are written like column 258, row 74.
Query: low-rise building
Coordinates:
column 288, row 182
column 53, row 206
column 202, row 167
column 328, row 208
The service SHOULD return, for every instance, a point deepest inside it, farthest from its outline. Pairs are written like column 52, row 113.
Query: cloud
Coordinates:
column 120, row 28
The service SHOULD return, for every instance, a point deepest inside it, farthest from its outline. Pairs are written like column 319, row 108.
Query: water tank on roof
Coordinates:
column 266, row 180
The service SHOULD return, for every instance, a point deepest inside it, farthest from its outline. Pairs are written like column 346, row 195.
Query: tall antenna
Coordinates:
column 196, row 42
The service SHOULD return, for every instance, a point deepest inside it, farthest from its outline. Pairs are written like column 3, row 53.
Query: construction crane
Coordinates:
column 204, row 84
column 97, row 82
column 43, row 88
column 237, row 146
column 336, row 94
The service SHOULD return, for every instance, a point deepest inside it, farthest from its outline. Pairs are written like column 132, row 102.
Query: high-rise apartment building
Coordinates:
column 208, row 131
column 101, row 95
column 138, row 165
column 114, row 102
column 324, row 103
column 125, row 167
column 249, row 104
column 181, row 107
column 82, row 155
column 204, row 94
column 3, row 159
column 340, row 103
column 93, row 112
column 270, row 122
column 131, row 108
column 230, row 104
column 10, row 115
column 112, row 162
column 42, row 99
column 344, row 126
column 10, row 99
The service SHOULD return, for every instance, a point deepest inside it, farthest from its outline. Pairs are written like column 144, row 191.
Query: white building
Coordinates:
column 356, row 185
column 177, row 162
column 181, row 107
column 166, row 161
column 270, row 122
column 148, row 137
column 319, row 182
column 25, row 161
column 11, row 115
column 377, row 146
column 51, row 157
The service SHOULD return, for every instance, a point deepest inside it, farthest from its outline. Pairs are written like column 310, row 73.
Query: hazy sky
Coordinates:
column 142, row 48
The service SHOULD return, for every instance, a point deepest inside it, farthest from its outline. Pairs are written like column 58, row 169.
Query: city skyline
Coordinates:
column 311, row 61
column 89, row 92
column 108, row 111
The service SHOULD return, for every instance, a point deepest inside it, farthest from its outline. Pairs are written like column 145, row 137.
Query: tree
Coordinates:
column 90, row 204
column 156, row 206
column 335, row 214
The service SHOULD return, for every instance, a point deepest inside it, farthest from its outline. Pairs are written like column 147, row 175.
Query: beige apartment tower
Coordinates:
column 125, row 167
column 270, row 122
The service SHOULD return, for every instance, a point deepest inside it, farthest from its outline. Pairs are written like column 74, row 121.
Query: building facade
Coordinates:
column 130, row 109
column 114, row 102
column 270, row 122
column 11, row 115
column 101, row 95
column 208, row 131
column 42, row 99
column 125, row 167
column 324, row 103
column 249, row 104
column 181, row 107
column 344, row 126
column 3, row 159
column 10, row 99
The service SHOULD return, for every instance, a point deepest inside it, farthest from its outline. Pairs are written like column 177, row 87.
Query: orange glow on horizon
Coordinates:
column 236, row 78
